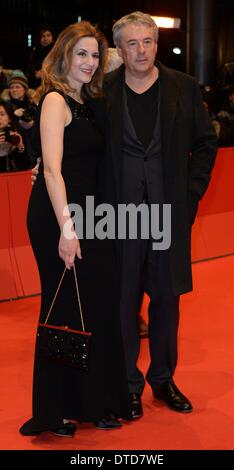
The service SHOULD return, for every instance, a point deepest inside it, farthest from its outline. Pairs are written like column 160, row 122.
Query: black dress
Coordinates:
column 60, row 391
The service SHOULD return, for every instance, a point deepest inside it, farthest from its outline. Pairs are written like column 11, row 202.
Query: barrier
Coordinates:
column 212, row 234
column 18, row 270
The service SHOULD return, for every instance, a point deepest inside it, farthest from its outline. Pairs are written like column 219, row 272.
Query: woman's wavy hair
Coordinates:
column 57, row 64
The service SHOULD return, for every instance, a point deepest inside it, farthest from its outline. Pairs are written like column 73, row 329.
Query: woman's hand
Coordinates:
column 69, row 249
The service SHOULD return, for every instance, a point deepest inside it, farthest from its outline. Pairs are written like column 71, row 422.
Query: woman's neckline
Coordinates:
column 76, row 101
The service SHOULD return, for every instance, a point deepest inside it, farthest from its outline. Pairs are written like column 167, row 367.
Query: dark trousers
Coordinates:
column 147, row 270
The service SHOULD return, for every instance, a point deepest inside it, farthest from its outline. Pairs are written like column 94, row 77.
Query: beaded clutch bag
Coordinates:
column 62, row 344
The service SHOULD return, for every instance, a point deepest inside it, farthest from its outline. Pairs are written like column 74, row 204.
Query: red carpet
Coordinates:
column 205, row 373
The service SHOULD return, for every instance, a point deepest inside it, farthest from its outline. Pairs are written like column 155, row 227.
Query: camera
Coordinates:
column 28, row 115
column 11, row 138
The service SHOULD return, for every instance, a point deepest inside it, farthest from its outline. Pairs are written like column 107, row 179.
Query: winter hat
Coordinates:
column 18, row 76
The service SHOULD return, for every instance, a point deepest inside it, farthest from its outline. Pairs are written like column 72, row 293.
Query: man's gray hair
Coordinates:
column 137, row 17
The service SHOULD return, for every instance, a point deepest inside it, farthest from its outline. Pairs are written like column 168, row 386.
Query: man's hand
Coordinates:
column 35, row 171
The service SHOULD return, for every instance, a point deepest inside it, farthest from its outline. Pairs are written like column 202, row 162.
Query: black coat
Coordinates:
column 188, row 154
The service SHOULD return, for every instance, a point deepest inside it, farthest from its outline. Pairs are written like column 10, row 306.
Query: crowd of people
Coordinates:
column 220, row 106
column 22, row 92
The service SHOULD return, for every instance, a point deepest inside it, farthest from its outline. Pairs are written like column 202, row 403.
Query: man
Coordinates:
column 162, row 150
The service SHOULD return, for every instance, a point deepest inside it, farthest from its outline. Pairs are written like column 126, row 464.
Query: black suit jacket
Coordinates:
column 188, row 155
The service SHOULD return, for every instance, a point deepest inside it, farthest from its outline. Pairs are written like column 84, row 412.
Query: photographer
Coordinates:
column 225, row 118
column 24, row 112
column 11, row 142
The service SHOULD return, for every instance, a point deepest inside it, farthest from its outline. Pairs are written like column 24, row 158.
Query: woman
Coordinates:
column 11, row 142
column 72, row 147
column 18, row 96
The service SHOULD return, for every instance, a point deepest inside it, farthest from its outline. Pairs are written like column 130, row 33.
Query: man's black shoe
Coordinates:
column 170, row 394
column 108, row 423
column 136, row 405
column 66, row 430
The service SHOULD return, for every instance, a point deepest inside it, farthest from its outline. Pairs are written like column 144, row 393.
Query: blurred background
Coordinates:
column 19, row 20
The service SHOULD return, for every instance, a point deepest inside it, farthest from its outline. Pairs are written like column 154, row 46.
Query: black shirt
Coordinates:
column 143, row 111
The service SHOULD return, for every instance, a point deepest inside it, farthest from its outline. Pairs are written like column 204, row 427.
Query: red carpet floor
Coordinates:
column 205, row 373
